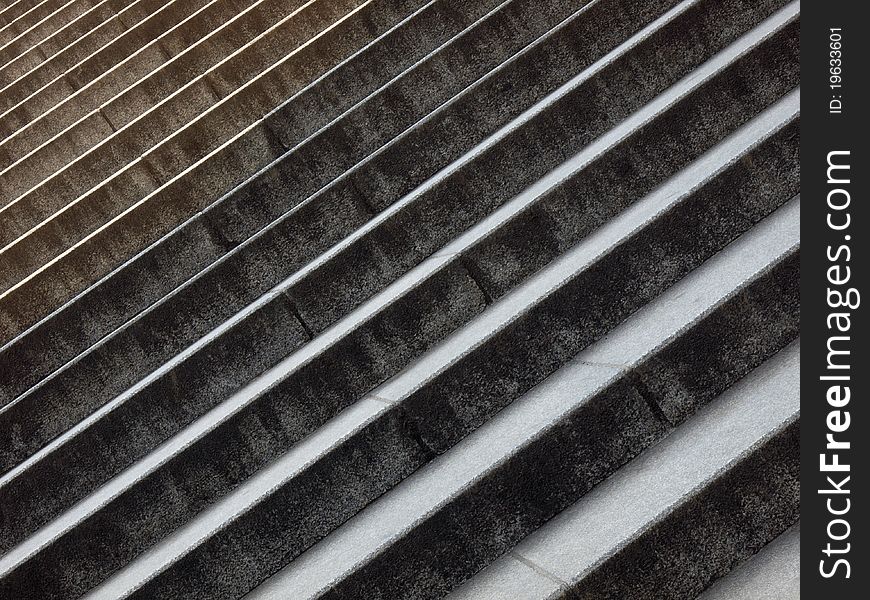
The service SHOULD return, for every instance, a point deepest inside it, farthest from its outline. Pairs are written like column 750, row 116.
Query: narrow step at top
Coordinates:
column 16, row 65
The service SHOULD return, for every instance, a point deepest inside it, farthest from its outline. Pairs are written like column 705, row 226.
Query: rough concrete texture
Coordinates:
column 125, row 91
column 44, row 28
column 131, row 349
column 102, row 48
column 385, row 298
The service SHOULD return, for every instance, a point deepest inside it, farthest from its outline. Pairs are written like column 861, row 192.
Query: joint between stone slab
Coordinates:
column 69, row 81
column 475, row 275
column 363, row 199
column 127, row 27
column 295, row 310
column 411, row 428
column 647, row 396
column 216, row 233
column 108, row 120
column 381, row 399
column 214, row 89
column 539, row 569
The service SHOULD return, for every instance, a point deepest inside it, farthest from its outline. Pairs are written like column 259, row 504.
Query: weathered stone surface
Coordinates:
column 397, row 298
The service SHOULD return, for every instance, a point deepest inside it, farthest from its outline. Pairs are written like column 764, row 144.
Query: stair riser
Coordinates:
column 23, row 63
column 297, row 406
column 89, row 57
column 554, row 470
column 644, row 265
column 12, row 30
column 291, row 244
column 29, row 38
column 15, row 10
column 193, row 96
column 725, row 523
column 240, row 215
column 236, row 350
column 131, row 230
column 150, row 134
column 193, row 56
column 180, row 488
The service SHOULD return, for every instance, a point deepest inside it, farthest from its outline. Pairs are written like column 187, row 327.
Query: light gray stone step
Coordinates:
column 228, row 141
column 187, row 258
column 350, row 264
column 678, row 503
column 289, row 258
column 250, row 321
column 229, row 429
column 122, row 93
column 460, row 511
column 772, row 574
column 24, row 61
column 102, row 48
column 77, row 216
column 190, row 376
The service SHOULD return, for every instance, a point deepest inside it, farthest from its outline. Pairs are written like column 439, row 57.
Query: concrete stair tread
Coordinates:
column 399, row 298
column 666, row 195
column 555, row 396
column 418, row 496
column 261, row 386
column 635, row 498
column 127, row 217
column 374, row 223
column 71, row 119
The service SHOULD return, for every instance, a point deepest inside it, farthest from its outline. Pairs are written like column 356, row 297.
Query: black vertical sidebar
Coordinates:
column 835, row 369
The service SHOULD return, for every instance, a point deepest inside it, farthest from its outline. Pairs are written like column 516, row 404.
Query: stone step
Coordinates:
column 14, row 9
column 263, row 420
column 238, row 216
column 30, row 353
column 684, row 506
column 117, row 174
column 30, row 19
column 570, row 431
column 399, row 299
column 674, row 120
column 53, row 217
column 36, row 33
